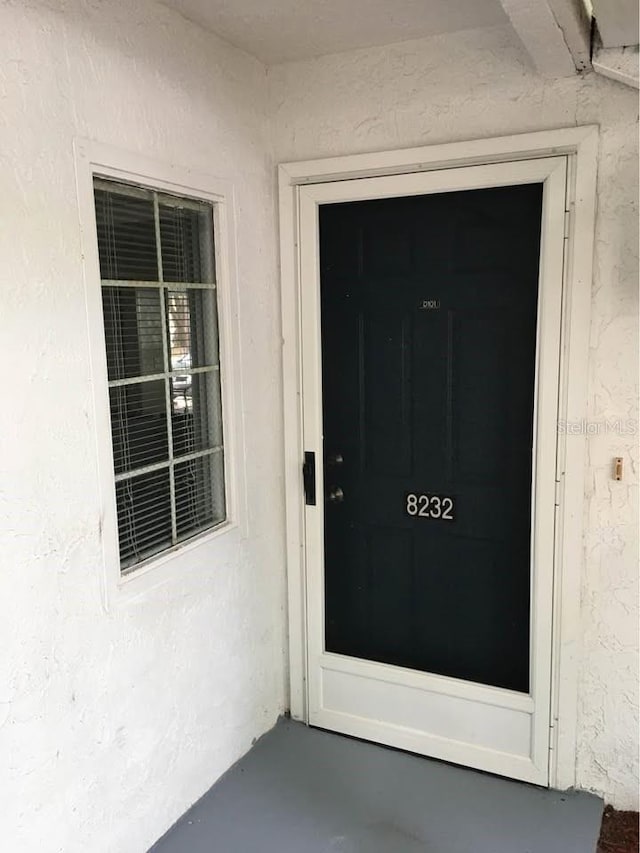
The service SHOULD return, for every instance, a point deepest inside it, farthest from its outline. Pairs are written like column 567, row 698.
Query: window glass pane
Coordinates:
column 196, row 419
column 138, row 425
column 186, row 235
column 133, row 331
column 199, row 494
column 144, row 516
column 126, row 236
column 193, row 328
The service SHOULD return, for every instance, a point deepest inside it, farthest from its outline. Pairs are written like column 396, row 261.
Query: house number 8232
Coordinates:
column 430, row 506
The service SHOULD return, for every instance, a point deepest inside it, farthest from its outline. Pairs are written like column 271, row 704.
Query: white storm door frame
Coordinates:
column 579, row 146
column 491, row 729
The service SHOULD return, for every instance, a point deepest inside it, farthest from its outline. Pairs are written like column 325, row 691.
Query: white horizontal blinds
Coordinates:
column 161, row 334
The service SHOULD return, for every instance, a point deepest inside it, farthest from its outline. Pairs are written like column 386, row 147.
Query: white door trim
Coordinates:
column 579, row 146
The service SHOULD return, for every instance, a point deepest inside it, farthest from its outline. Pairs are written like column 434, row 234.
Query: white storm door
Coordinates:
column 431, row 318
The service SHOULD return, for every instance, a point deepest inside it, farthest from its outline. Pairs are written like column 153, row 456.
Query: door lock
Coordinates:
column 336, row 495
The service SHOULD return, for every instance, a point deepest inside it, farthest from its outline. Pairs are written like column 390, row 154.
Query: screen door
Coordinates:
column 430, row 382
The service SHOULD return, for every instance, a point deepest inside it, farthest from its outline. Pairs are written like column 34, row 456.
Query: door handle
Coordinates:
column 336, row 495
column 309, row 477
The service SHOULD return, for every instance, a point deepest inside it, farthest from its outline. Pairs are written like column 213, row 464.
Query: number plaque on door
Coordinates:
column 430, row 506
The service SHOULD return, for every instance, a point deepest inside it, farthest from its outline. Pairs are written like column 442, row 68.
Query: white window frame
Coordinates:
column 94, row 160
column 580, row 146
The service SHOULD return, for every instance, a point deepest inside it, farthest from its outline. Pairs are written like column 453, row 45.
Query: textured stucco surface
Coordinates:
column 477, row 84
column 112, row 724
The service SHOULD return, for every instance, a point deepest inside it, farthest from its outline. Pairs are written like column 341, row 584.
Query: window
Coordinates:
column 159, row 303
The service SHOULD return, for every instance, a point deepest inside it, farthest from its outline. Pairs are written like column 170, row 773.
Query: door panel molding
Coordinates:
column 400, row 174
column 482, row 693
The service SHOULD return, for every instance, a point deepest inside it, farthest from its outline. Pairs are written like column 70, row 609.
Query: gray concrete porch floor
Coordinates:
column 302, row 790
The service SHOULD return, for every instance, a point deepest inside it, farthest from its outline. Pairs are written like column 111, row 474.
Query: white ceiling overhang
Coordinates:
column 284, row 30
column 557, row 34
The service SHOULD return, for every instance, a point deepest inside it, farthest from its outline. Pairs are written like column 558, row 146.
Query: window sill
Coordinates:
column 156, row 570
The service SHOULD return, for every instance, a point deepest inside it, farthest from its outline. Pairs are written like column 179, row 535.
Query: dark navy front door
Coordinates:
column 428, row 317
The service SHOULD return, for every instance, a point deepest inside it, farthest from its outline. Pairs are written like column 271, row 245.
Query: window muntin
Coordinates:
column 157, row 268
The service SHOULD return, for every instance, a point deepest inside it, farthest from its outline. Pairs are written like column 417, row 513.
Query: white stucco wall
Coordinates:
column 477, row 84
column 111, row 725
